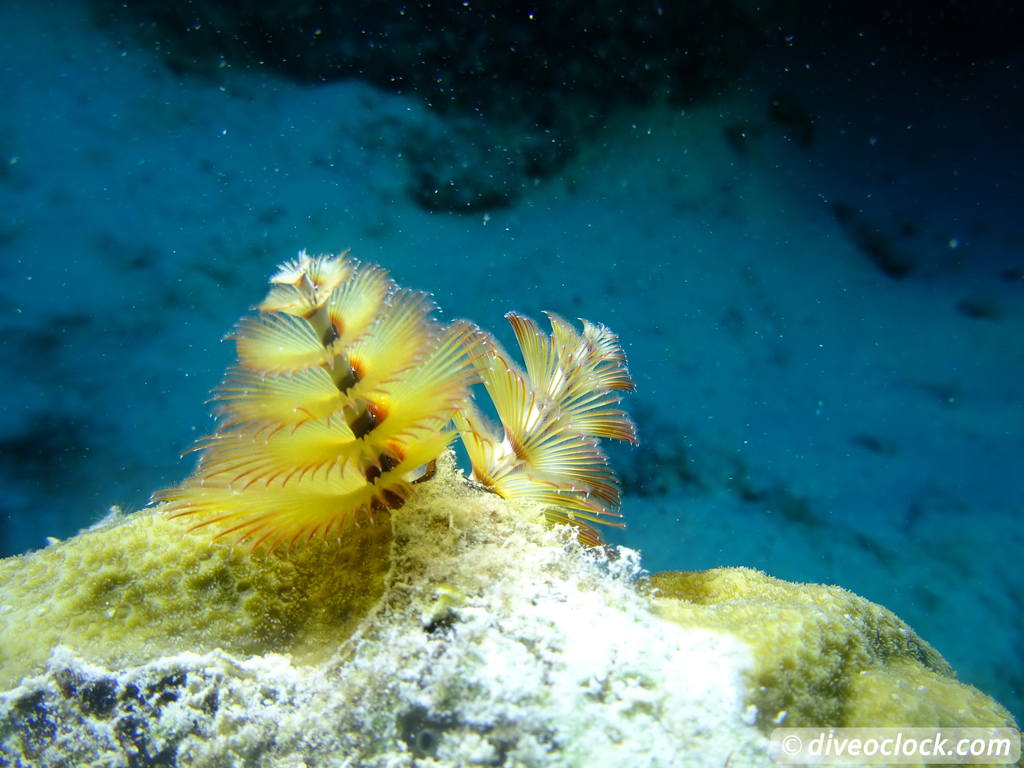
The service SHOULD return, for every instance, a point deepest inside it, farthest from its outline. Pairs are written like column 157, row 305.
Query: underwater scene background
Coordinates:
column 802, row 221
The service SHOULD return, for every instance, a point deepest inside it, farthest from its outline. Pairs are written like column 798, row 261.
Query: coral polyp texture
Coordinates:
column 347, row 390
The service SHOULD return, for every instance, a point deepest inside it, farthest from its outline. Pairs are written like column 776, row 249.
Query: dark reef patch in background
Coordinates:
column 521, row 86
column 487, row 57
column 950, row 28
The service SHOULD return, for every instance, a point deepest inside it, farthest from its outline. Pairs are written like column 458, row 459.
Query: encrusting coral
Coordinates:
column 491, row 639
column 343, row 397
column 459, row 634
column 823, row 655
column 134, row 588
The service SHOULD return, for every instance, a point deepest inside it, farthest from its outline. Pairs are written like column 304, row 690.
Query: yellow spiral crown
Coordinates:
column 346, row 390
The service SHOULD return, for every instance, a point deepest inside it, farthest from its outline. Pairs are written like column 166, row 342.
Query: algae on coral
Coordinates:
column 824, row 656
column 138, row 587
column 496, row 640
column 459, row 630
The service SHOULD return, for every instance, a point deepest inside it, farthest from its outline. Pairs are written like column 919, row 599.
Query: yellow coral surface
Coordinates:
column 139, row 587
column 823, row 655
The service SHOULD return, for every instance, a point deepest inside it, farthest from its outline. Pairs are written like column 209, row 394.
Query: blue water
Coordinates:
column 816, row 267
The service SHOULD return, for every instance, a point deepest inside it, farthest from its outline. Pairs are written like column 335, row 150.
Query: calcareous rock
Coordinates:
column 456, row 631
